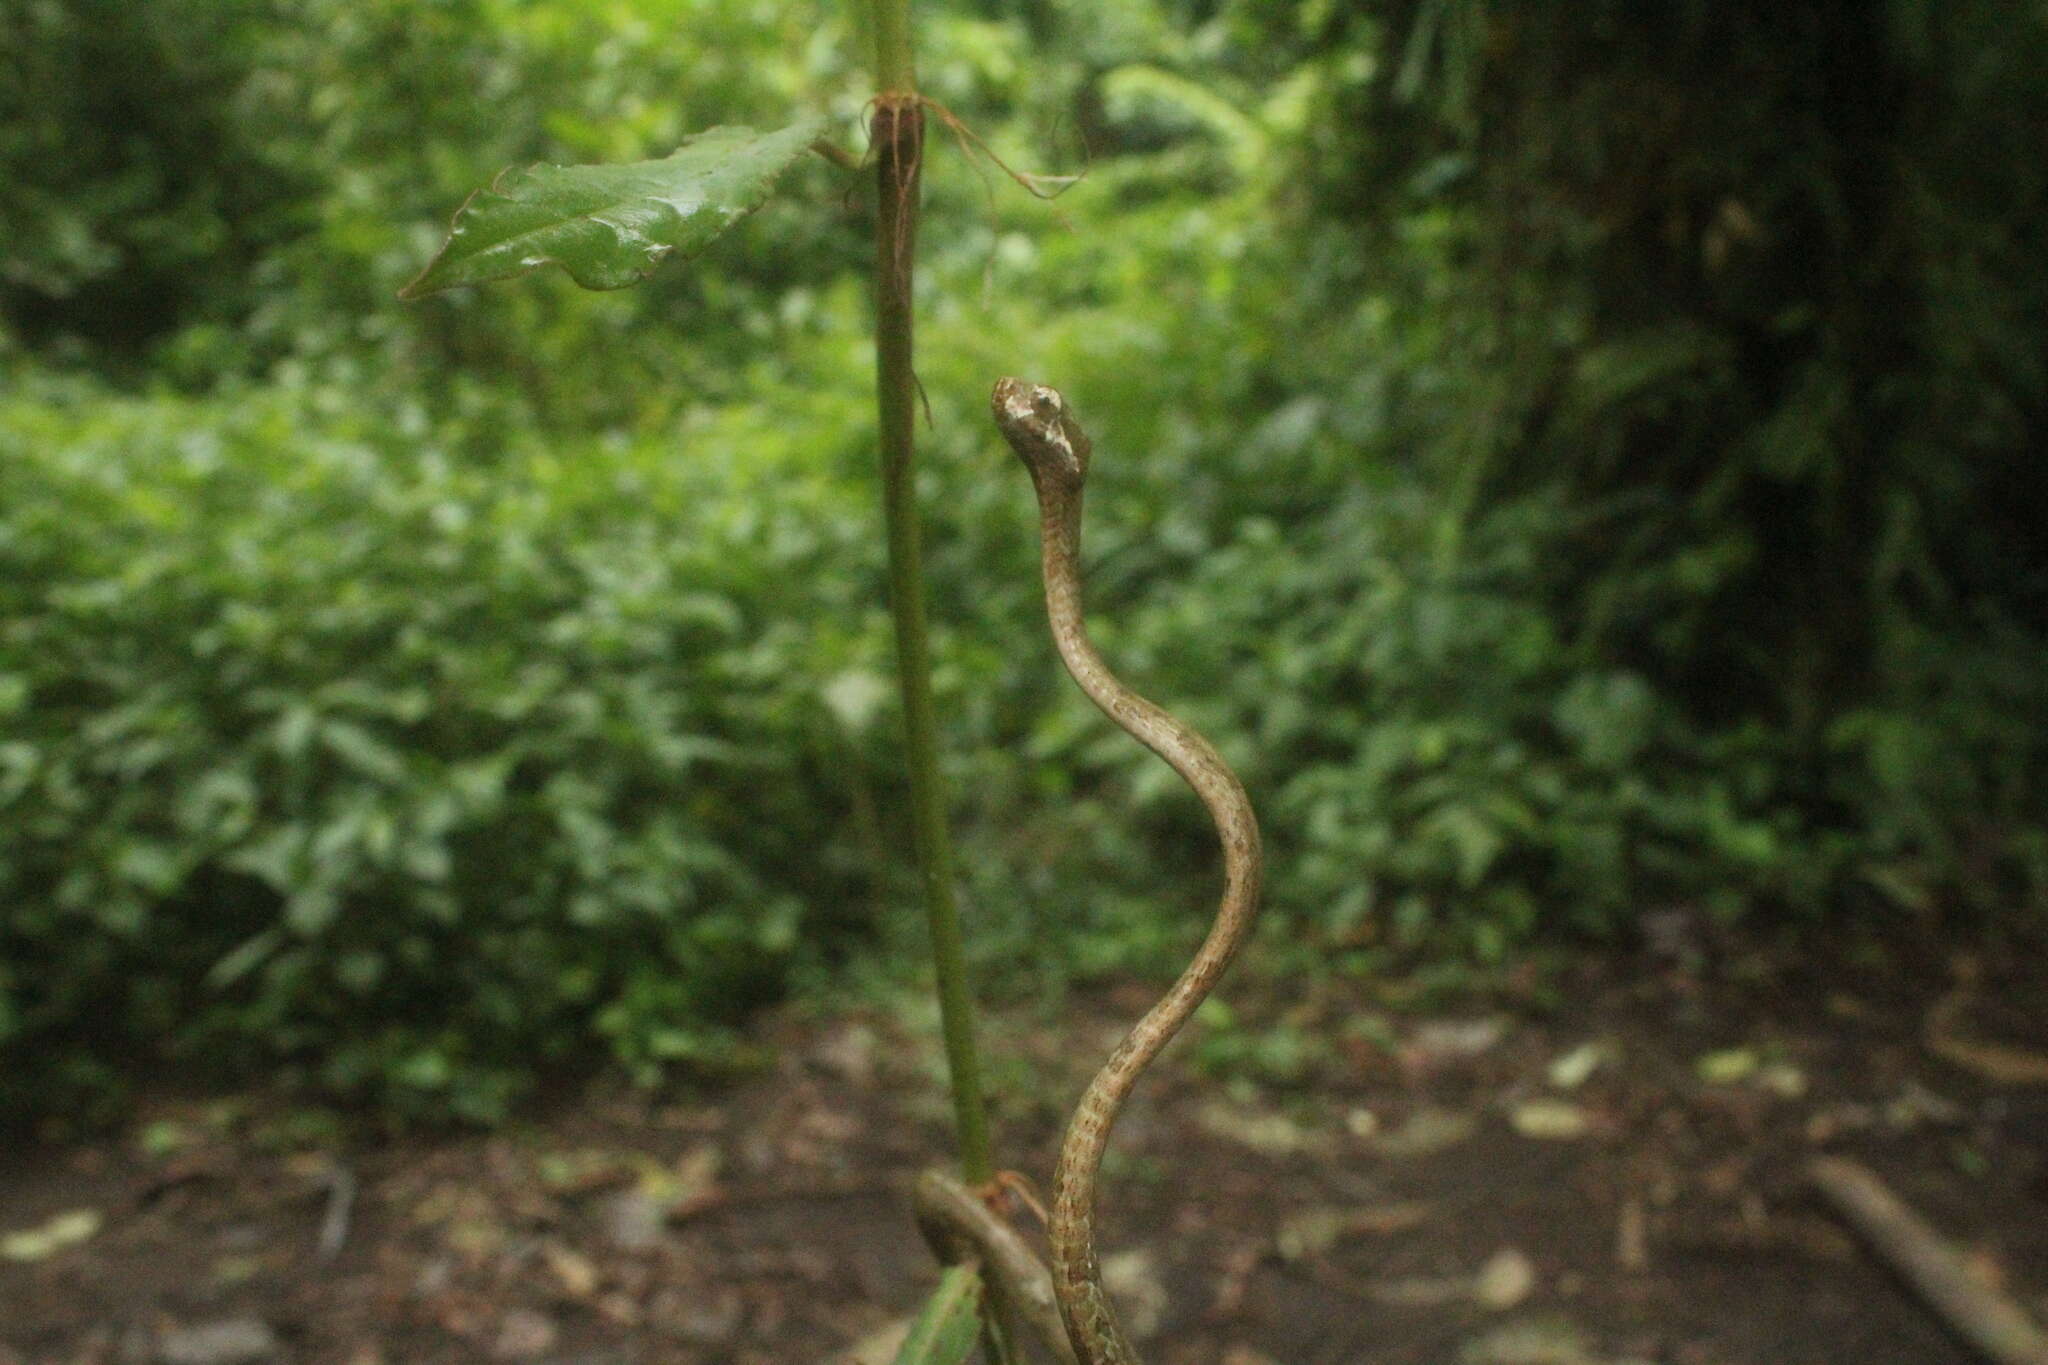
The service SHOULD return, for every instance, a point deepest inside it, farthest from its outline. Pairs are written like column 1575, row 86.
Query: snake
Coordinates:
column 1041, row 428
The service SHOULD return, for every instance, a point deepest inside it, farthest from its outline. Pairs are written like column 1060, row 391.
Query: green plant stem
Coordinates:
column 897, row 131
column 895, row 73
column 899, row 148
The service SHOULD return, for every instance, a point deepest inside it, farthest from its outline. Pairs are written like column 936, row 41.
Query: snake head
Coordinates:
column 1040, row 427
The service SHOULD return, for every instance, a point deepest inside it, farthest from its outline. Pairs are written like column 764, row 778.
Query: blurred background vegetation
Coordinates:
column 1578, row 460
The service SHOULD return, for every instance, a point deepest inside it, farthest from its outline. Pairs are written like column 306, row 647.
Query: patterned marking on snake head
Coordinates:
column 1040, row 427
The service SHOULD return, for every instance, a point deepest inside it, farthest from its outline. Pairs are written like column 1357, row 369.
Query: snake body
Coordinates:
column 1041, row 428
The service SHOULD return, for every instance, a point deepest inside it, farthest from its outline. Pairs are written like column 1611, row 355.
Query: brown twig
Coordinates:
column 1946, row 1038
column 959, row 1227
column 836, row 154
column 1928, row 1264
column 1038, row 186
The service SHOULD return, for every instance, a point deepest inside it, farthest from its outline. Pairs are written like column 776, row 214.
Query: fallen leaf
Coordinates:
column 633, row 1221
column 1550, row 1120
column 1426, row 1132
column 576, row 1272
column 62, row 1230
column 1782, row 1079
column 1269, row 1133
column 1632, row 1236
column 1727, row 1066
column 1440, row 1042
column 694, row 1185
column 1571, row 1070
column 1507, row 1278
column 1133, row 1279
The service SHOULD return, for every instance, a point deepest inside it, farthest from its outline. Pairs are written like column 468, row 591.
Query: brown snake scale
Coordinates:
column 1041, row 428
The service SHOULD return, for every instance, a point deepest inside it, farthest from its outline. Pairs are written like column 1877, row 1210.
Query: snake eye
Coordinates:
column 1045, row 402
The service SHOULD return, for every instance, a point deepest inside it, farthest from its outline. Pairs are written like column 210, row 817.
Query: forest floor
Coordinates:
column 1593, row 1164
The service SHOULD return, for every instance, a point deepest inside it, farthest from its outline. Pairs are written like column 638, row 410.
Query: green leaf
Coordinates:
column 243, row 959
column 610, row 226
column 946, row 1331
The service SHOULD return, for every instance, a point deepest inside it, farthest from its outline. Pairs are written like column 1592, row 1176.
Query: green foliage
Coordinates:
column 130, row 196
column 1573, row 462
column 948, row 1328
column 1727, row 303
column 330, row 753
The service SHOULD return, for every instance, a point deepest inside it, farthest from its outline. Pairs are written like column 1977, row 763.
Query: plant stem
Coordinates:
column 899, row 151
column 897, row 131
column 895, row 74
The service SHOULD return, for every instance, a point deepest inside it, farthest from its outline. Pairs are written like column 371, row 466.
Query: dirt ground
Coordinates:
column 1585, row 1165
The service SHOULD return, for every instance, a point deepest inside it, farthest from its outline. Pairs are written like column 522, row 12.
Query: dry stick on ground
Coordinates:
column 1935, row 1270
column 1946, row 1038
column 960, row 1227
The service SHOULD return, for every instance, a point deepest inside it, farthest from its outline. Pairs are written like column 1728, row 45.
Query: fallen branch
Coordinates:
column 1998, row 1063
column 959, row 1227
column 1933, row 1268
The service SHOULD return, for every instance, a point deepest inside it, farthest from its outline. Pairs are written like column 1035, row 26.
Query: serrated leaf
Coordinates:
column 946, row 1332
column 610, row 226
